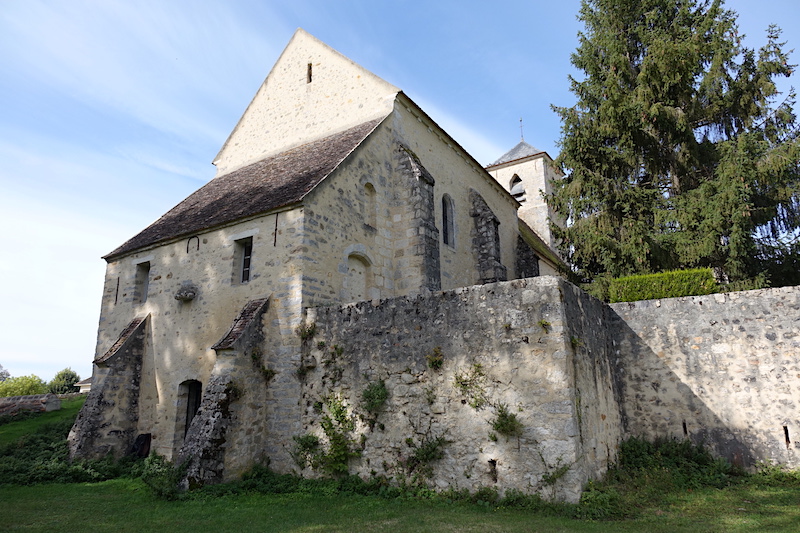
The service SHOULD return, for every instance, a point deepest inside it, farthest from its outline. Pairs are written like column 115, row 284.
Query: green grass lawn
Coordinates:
column 652, row 489
column 127, row 505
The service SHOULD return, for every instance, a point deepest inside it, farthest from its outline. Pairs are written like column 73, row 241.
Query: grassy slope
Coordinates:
column 14, row 430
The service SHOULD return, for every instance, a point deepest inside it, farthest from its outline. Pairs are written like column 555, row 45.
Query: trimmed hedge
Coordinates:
column 695, row 282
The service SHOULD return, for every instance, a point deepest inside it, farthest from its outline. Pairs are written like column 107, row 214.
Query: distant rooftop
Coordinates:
column 521, row 150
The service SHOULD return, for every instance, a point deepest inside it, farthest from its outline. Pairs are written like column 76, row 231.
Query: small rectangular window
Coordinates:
column 141, row 282
column 244, row 260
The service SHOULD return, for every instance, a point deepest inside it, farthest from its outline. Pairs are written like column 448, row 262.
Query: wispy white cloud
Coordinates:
column 159, row 63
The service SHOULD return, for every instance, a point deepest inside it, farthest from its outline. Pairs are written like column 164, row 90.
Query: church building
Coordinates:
column 333, row 187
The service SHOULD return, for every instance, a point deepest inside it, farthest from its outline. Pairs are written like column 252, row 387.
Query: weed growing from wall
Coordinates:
column 306, row 331
column 430, row 394
column 306, row 451
column 374, row 397
column 417, row 467
column 506, row 423
column 266, row 373
column 435, row 359
column 471, row 385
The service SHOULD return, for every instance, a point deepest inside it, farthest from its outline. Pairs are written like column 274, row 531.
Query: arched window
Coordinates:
column 517, row 190
column 448, row 221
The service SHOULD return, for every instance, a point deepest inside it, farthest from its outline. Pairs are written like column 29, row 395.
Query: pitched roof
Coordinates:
column 273, row 182
column 521, row 150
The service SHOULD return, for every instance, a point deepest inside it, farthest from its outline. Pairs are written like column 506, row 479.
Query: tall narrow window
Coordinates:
column 190, row 393
column 371, row 207
column 308, row 73
column 448, row 222
column 243, row 261
column 141, row 282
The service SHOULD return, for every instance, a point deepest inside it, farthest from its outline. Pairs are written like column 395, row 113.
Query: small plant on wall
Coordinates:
column 306, row 331
column 506, row 423
column 435, row 359
column 471, row 385
column 374, row 397
column 417, row 466
column 337, row 425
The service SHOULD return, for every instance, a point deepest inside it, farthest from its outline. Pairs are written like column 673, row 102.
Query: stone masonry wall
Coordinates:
column 503, row 346
column 721, row 369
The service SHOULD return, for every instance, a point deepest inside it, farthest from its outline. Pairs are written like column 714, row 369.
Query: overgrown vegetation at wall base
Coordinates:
column 694, row 282
column 332, row 458
column 647, row 472
column 38, row 452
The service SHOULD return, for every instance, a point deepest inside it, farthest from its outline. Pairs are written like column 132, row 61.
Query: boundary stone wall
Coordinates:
column 503, row 344
column 39, row 403
column 721, row 369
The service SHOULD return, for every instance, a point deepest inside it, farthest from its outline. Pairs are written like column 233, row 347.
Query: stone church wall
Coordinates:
column 721, row 369
column 182, row 331
column 504, row 346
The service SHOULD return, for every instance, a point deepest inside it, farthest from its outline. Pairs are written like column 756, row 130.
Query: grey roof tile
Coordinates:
column 273, row 182
column 521, row 150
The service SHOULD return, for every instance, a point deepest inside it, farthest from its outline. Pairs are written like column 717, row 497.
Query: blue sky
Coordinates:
column 113, row 110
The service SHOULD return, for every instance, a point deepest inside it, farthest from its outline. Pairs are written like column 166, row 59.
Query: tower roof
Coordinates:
column 521, row 150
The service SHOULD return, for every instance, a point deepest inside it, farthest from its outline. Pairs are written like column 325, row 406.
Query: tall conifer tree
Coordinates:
column 678, row 152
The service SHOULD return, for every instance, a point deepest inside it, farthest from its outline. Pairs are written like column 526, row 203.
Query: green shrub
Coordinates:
column 674, row 463
column 374, row 396
column 333, row 459
column 163, row 477
column 42, row 456
column 64, row 382
column 306, row 450
column 694, row 282
column 506, row 423
column 22, row 386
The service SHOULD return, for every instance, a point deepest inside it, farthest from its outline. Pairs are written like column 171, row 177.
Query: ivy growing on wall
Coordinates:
column 337, row 425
